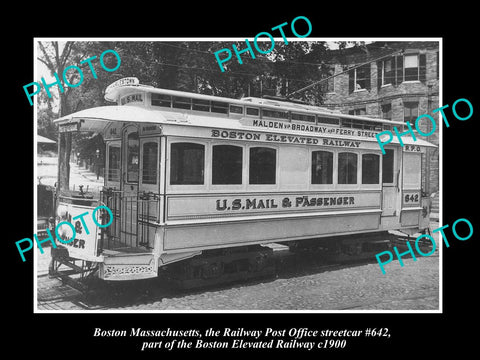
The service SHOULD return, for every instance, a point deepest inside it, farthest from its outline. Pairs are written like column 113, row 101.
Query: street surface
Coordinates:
column 359, row 286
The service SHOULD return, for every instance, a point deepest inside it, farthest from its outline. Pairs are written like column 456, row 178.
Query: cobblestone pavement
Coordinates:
column 415, row 286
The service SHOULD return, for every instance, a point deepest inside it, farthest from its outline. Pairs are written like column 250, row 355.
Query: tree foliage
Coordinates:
column 179, row 65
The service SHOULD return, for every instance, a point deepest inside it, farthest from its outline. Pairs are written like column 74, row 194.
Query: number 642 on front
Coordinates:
column 411, row 198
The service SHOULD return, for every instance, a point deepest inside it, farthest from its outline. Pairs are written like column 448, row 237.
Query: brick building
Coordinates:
column 397, row 87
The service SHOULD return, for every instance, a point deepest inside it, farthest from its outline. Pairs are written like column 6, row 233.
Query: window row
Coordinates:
column 410, row 114
column 391, row 71
column 282, row 115
column 187, row 161
column 187, row 166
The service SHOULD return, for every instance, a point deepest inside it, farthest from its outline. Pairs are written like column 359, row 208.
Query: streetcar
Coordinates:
column 205, row 183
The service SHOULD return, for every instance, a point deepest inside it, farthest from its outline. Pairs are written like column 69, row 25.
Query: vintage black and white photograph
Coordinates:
column 267, row 174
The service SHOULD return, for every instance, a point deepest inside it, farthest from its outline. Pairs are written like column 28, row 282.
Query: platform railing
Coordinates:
column 132, row 218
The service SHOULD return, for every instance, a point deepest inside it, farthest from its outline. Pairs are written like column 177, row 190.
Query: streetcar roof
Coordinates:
column 114, row 95
column 98, row 118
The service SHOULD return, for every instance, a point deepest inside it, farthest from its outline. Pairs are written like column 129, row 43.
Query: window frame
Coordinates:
column 327, row 185
column 187, row 187
column 366, row 78
column 277, row 172
column 143, row 141
column 392, row 70
column 243, row 170
column 358, row 167
column 389, row 111
column 379, row 174
column 162, row 98
column 117, row 144
column 394, row 167
column 405, row 107
column 126, row 152
column 405, row 67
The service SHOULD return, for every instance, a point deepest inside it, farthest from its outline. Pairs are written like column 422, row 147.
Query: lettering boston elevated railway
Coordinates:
column 291, row 139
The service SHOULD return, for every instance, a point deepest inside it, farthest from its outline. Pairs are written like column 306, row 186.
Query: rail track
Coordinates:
column 220, row 269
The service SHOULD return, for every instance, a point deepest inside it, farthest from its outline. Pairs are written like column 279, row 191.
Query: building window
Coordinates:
column 411, row 68
column 150, row 163
column 187, row 164
column 132, row 157
column 359, row 78
column 359, row 111
column 347, row 168
column 410, row 112
column 322, row 167
column 226, row 165
column 370, row 168
column 263, row 165
column 113, row 172
column 387, row 72
column 387, row 111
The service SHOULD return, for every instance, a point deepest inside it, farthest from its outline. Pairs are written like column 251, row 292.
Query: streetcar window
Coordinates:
column 357, row 124
column 200, row 105
column 226, row 164
column 347, row 123
column 182, row 102
column 303, row 117
column 150, row 163
column 387, row 166
column 132, row 157
column 219, row 107
column 113, row 171
column 161, row 100
column 370, row 168
column 252, row 111
column 234, row 109
column 327, row 120
column 263, row 165
column 322, row 167
column 347, row 168
column 187, row 164
column 276, row 114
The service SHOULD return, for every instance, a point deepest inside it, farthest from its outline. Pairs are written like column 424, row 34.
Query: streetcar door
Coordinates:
column 389, row 182
column 129, row 187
